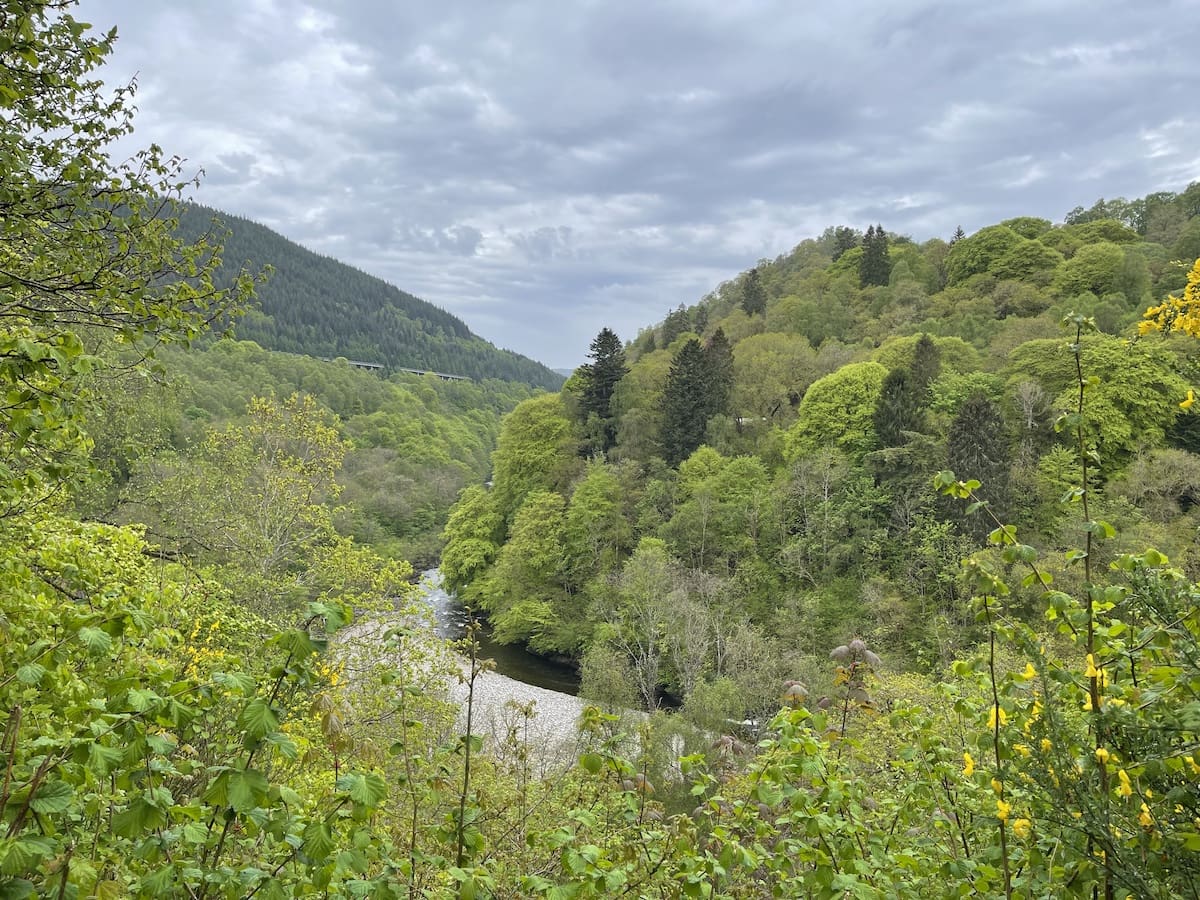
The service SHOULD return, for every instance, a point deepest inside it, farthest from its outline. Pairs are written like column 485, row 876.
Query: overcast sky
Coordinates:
column 545, row 169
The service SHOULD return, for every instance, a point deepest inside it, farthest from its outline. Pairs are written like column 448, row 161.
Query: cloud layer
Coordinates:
column 545, row 170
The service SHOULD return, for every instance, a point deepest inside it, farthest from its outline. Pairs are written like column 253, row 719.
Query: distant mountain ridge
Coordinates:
column 319, row 306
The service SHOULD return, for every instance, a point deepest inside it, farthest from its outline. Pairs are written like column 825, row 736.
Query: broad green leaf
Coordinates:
column 365, row 790
column 592, row 762
column 51, row 797
column 257, row 719
column 96, row 641
column 318, row 841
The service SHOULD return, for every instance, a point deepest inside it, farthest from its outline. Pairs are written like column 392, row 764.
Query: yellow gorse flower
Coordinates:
column 1046, row 745
column 997, row 711
column 1030, row 672
column 1124, row 787
column 1187, row 403
column 1102, row 755
column 997, row 786
column 1021, row 828
column 1003, row 808
column 1092, row 671
column 968, row 765
column 1145, row 819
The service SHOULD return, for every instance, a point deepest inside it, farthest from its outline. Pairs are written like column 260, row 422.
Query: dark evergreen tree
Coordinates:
column 959, row 234
column 898, row 409
column 718, row 354
column 675, row 324
column 844, row 238
column 977, row 447
column 874, row 267
column 754, row 296
column 699, row 318
column 926, row 364
column 600, row 377
column 686, row 403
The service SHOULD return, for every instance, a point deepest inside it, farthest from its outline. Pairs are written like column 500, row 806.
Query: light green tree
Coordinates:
column 837, row 411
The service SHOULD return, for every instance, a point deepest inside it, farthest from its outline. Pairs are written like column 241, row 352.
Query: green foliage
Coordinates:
column 1094, row 268
column 837, row 411
column 1127, row 394
column 535, row 451
column 979, row 252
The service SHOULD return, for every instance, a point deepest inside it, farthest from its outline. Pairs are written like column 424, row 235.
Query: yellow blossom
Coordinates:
column 1191, row 761
column 1030, row 671
column 1145, row 819
column 968, row 765
column 997, row 711
column 1092, row 671
column 1046, row 745
column 997, row 786
column 1102, row 755
column 1187, row 403
column 1023, row 750
column 1124, row 788
column 1003, row 808
column 1021, row 828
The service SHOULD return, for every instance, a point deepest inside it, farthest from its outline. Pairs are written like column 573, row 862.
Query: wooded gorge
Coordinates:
column 908, row 529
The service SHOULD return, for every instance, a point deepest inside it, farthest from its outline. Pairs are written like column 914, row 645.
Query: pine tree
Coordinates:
column 926, row 364
column 686, row 403
column 898, row 409
column 754, row 297
column 844, row 238
column 718, row 355
column 977, row 447
column 959, row 234
column 874, row 267
column 675, row 324
column 600, row 379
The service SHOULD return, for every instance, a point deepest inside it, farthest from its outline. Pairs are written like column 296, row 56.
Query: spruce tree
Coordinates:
column 874, row 267
column 844, row 238
column 926, row 364
column 959, row 234
column 686, row 403
column 718, row 355
column 600, row 379
column 754, row 296
column 977, row 447
column 675, row 324
column 898, row 409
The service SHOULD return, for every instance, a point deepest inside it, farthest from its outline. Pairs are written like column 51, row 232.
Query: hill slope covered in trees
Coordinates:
column 771, row 449
column 318, row 306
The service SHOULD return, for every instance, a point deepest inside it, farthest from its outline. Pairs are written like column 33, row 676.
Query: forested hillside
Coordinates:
column 910, row 536
column 411, row 442
column 316, row 305
column 766, row 457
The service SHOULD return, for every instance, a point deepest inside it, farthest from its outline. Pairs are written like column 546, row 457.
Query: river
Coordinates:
column 512, row 661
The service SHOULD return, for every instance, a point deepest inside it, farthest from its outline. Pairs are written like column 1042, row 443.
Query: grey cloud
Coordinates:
column 546, row 170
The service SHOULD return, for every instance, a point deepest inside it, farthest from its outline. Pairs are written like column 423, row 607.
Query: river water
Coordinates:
column 515, row 662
